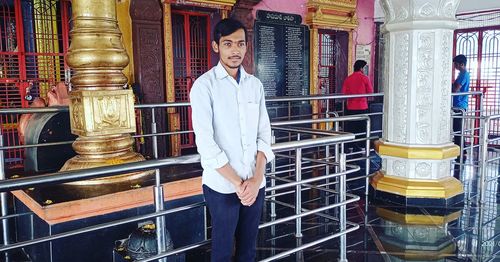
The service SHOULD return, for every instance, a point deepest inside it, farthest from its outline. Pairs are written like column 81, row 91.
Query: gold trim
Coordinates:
column 175, row 143
column 332, row 14
column 421, row 255
column 224, row 13
column 414, row 219
column 125, row 25
column 435, row 153
column 314, row 70
column 169, row 55
column 350, row 53
column 207, row 3
column 417, row 188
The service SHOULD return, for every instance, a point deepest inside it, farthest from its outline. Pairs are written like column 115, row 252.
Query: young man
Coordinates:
column 461, row 84
column 357, row 83
column 233, row 136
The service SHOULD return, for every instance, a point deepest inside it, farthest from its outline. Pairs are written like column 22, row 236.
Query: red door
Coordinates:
column 191, row 43
column 33, row 41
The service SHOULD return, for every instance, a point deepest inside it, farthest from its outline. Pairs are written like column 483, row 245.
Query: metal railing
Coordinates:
column 69, row 176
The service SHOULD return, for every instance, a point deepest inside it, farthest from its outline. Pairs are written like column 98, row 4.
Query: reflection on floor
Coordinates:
column 391, row 233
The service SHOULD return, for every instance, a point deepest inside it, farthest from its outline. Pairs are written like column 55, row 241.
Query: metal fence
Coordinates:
column 334, row 164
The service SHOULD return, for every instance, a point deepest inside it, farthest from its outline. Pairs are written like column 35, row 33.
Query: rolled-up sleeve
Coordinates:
column 264, row 129
column 212, row 156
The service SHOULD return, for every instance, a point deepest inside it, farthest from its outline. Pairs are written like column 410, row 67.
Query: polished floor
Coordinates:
column 470, row 232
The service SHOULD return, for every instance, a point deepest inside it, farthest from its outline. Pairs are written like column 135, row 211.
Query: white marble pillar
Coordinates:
column 416, row 147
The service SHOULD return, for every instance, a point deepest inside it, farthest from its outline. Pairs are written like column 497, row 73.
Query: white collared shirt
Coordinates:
column 231, row 124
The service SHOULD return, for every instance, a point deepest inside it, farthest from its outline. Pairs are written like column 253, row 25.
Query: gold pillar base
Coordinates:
column 417, row 219
column 111, row 150
column 442, row 192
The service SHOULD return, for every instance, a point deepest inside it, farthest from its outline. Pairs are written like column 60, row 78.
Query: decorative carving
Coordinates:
column 397, row 11
column 77, row 114
column 149, row 10
column 401, row 71
column 399, row 168
column 423, row 170
column 449, row 8
column 97, row 113
column 425, row 69
column 426, row 10
column 444, row 107
column 149, row 65
column 387, row 98
column 397, row 230
column 388, row 10
column 329, row 14
column 402, row 14
column 421, row 234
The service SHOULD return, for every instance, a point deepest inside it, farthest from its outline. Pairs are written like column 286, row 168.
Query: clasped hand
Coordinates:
column 248, row 190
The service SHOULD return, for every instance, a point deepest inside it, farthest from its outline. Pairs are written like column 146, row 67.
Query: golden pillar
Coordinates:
column 174, row 123
column 314, row 71
column 101, row 109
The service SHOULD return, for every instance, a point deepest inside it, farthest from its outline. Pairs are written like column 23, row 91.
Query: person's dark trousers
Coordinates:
column 233, row 221
column 356, row 127
column 457, row 129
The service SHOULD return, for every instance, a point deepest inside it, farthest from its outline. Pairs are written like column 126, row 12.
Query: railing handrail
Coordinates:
column 321, row 120
column 467, row 93
column 98, row 172
column 57, row 109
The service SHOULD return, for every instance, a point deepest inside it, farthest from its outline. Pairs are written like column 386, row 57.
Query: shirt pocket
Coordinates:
column 252, row 121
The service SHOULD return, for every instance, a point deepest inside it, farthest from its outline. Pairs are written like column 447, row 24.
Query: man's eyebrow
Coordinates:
column 230, row 41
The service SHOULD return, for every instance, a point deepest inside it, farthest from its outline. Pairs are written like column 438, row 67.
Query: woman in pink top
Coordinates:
column 357, row 83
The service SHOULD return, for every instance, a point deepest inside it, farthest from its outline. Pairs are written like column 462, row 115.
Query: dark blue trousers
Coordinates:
column 233, row 221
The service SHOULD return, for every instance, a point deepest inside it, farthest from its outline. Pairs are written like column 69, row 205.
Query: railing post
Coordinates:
column 158, row 194
column 3, row 197
column 462, row 138
column 483, row 155
column 343, row 210
column 298, row 192
column 367, row 154
column 337, row 167
column 273, row 181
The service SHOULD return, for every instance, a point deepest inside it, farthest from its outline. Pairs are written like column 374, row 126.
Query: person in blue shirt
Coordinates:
column 460, row 85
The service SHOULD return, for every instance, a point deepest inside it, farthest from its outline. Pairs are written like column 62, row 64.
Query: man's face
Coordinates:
column 231, row 49
column 458, row 66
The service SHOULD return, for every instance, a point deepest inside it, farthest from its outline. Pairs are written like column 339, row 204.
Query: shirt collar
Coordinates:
column 220, row 72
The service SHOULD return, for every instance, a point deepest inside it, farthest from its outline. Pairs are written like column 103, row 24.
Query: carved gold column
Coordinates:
column 314, row 70
column 101, row 110
column 173, row 117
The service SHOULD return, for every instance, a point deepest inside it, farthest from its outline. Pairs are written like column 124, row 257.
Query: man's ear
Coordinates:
column 215, row 47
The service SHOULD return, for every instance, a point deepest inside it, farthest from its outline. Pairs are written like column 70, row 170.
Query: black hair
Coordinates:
column 461, row 59
column 359, row 64
column 226, row 27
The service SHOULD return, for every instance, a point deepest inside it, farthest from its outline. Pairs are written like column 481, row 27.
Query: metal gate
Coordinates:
column 34, row 39
column 481, row 46
column 332, row 63
column 191, row 43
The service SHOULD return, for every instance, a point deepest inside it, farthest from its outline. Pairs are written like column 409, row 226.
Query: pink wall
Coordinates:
column 284, row 6
column 363, row 35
